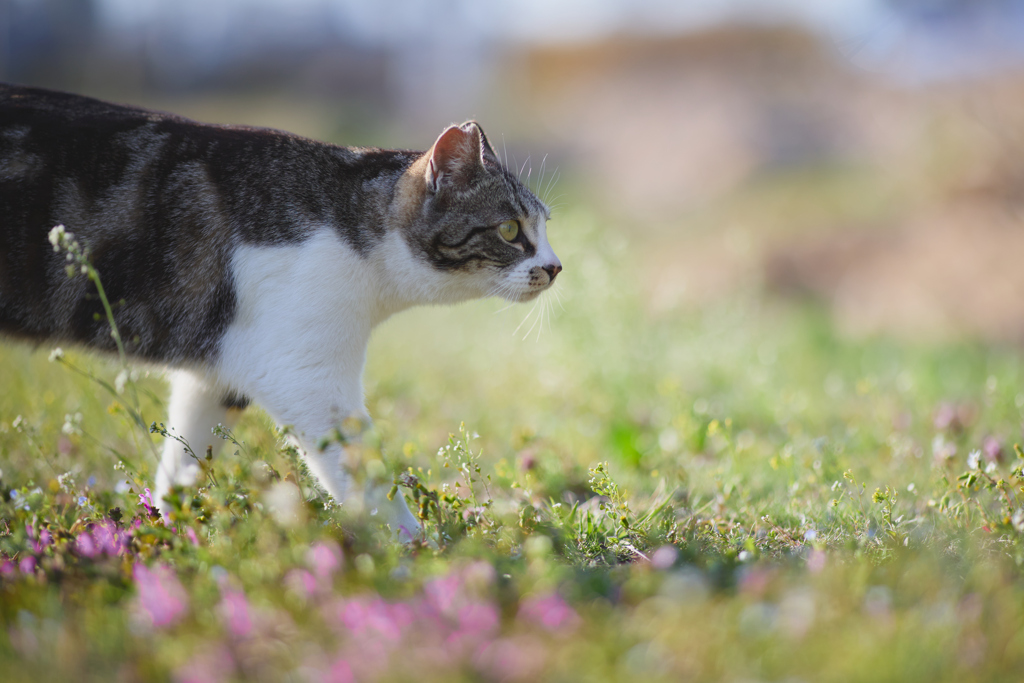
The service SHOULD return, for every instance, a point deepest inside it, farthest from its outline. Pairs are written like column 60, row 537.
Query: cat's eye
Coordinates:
column 508, row 230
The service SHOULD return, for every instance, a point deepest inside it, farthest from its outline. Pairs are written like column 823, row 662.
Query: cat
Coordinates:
column 251, row 262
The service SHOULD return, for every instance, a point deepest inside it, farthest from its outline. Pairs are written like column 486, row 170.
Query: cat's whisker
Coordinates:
column 536, row 320
column 503, row 290
column 558, row 297
column 552, row 182
column 504, row 308
column 540, row 176
column 523, row 168
column 529, row 315
column 545, row 316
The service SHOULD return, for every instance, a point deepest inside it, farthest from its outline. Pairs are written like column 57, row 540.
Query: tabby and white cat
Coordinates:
column 252, row 262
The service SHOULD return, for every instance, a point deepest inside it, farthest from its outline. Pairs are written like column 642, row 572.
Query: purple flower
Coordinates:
column 549, row 611
column 27, row 565
column 234, row 610
column 146, row 501
column 40, row 542
column 7, row 568
column 190, row 534
column 161, row 597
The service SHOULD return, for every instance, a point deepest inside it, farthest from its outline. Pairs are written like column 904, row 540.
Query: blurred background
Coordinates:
column 864, row 155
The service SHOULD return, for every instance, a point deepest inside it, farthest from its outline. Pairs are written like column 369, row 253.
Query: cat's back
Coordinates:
column 48, row 135
column 160, row 201
column 28, row 106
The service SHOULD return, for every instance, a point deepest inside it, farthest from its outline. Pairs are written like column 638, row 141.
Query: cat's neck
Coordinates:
column 400, row 279
column 404, row 281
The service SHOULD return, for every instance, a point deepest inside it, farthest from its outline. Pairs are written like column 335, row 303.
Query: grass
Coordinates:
column 721, row 493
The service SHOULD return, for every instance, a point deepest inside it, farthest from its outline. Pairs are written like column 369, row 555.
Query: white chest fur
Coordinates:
column 296, row 346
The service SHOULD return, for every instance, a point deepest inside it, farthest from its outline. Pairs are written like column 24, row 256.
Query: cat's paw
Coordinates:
column 395, row 514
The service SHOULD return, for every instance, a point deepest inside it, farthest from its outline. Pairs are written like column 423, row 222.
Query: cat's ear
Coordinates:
column 458, row 154
column 487, row 153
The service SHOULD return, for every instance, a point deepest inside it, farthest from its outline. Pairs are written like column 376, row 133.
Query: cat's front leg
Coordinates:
column 332, row 465
column 319, row 413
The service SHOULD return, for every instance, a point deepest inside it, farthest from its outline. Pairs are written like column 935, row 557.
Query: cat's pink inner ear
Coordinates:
column 454, row 156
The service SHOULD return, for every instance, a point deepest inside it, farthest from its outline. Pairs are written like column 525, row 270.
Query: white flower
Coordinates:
column 56, row 354
column 941, row 449
column 990, row 468
column 72, row 424
column 1018, row 520
column 973, row 459
column 120, row 381
column 56, row 236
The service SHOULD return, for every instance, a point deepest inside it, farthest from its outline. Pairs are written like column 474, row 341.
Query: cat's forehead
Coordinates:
column 525, row 203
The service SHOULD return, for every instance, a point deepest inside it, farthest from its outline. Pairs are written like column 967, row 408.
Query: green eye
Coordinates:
column 508, row 230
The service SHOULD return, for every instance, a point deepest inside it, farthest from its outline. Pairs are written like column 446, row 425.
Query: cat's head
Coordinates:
column 473, row 223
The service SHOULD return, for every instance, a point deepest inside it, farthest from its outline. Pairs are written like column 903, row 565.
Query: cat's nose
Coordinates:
column 552, row 269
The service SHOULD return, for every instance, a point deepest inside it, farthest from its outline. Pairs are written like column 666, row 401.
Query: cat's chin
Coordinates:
column 524, row 297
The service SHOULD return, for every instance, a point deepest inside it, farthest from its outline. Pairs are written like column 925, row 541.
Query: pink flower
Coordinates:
column 27, row 565
column 190, row 534
column 993, row 449
column 161, row 597
column 7, row 568
column 209, row 666
column 234, row 610
column 108, row 538
column 476, row 622
column 360, row 616
column 340, row 672
column 664, row 557
column 816, row 561
column 512, row 659
column 442, row 592
column 549, row 611
column 479, row 617
column 324, row 559
column 85, row 546
column 301, row 582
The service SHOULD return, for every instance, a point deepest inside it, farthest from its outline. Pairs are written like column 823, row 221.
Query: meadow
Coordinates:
column 719, row 491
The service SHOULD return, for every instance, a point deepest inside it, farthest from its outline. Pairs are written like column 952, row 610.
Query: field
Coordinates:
column 726, row 490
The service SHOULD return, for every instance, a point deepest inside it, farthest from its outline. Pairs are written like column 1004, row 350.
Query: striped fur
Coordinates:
column 252, row 262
